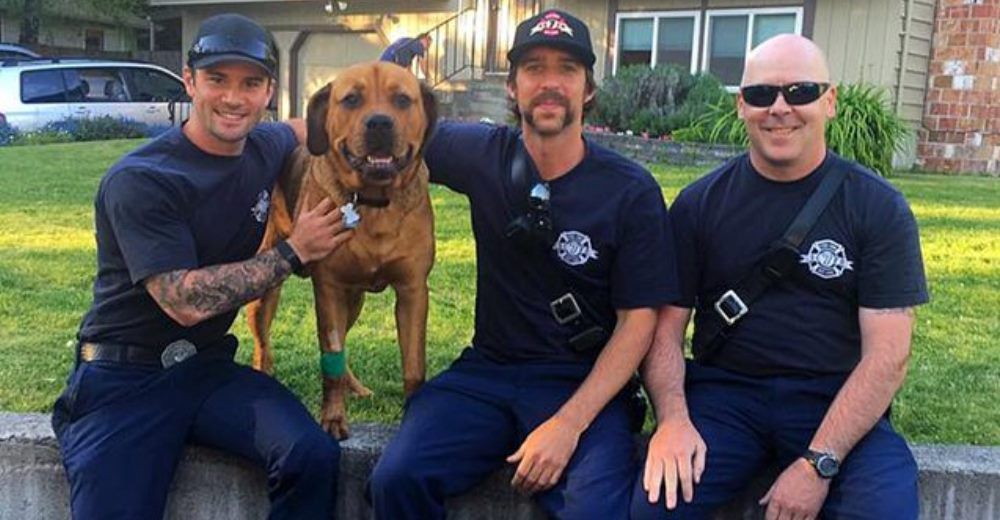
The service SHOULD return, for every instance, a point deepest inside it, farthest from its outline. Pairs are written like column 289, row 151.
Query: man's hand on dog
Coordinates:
column 544, row 455
column 318, row 232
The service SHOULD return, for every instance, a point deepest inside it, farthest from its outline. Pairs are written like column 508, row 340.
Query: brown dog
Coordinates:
column 366, row 133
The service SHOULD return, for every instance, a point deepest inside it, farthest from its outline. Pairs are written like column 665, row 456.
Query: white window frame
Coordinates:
column 752, row 13
column 656, row 16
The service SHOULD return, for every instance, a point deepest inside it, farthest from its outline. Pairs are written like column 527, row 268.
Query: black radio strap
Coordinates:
column 724, row 313
column 567, row 306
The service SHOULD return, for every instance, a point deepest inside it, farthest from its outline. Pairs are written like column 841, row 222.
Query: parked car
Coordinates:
column 36, row 92
column 9, row 50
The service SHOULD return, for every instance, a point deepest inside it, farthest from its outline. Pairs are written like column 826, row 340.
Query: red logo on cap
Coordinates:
column 552, row 24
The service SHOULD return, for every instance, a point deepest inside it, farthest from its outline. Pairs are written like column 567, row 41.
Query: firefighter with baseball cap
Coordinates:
column 178, row 225
column 574, row 255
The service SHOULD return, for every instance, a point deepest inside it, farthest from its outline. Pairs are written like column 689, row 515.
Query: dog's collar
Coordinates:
column 360, row 200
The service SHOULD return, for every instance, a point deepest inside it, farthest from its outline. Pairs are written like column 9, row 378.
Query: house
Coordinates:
column 938, row 59
column 71, row 28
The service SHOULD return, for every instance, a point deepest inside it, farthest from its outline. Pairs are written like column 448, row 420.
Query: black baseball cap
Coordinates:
column 233, row 37
column 553, row 28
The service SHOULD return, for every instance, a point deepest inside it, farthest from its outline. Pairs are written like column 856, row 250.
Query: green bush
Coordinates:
column 866, row 129
column 73, row 129
column 7, row 133
column 718, row 124
column 100, row 128
column 654, row 101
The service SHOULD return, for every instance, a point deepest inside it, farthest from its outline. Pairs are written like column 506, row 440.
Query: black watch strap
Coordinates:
column 289, row 255
column 826, row 465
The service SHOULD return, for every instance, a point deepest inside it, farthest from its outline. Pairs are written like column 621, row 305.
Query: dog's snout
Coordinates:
column 379, row 133
column 379, row 123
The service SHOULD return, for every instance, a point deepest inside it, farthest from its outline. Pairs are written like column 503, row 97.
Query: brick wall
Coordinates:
column 961, row 130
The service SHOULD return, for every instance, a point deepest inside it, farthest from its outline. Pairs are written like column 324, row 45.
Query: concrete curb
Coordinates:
column 956, row 482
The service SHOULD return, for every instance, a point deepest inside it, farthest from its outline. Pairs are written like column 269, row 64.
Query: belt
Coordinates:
column 135, row 355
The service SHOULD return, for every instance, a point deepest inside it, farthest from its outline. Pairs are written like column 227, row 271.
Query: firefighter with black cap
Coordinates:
column 573, row 256
column 178, row 223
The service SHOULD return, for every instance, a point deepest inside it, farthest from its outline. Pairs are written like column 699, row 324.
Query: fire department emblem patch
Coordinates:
column 827, row 259
column 259, row 210
column 574, row 248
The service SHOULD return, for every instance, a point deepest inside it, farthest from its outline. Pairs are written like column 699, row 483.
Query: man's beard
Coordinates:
column 568, row 115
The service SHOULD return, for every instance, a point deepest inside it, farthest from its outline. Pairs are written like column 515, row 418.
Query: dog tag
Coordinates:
column 349, row 216
column 176, row 352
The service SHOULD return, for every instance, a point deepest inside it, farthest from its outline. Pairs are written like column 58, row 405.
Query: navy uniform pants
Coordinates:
column 121, row 430
column 749, row 422
column 460, row 426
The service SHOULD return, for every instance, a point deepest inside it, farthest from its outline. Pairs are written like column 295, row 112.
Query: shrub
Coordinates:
column 653, row 100
column 719, row 124
column 98, row 128
column 7, row 133
column 85, row 129
column 866, row 129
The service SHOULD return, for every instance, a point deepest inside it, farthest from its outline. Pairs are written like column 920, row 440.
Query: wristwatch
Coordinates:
column 826, row 464
column 289, row 255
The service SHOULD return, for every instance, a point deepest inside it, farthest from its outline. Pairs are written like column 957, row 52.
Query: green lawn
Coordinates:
column 47, row 266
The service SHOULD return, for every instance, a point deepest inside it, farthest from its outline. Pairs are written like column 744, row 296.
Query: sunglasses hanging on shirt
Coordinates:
column 795, row 94
column 534, row 227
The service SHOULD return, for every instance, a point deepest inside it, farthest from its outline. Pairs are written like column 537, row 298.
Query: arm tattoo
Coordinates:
column 897, row 310
column 216, row 289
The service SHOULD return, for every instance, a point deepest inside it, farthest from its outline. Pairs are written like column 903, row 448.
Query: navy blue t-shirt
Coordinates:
column 168, row 206
column 613, row 240
column 402, row 51
column 863, row 251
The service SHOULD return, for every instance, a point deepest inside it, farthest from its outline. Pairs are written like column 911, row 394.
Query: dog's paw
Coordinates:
column 357, row 388
column 334, row 420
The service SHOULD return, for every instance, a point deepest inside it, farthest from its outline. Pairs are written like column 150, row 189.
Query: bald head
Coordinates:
column 783, row 59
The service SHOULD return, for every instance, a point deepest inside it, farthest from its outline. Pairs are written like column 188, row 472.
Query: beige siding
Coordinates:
column 651, row 5
column 594, row 13
column 865, row 41
column 861, row 38
column 912, row 84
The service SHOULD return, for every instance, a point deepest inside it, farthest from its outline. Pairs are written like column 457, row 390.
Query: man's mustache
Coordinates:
column 546, row 97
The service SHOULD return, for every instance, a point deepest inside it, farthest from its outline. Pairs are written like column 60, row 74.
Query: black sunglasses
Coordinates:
column 212, row 45
column 798, row 93
column 535, row 226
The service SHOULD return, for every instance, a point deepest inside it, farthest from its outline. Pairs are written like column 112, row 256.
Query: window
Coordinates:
column 658, row 38
column 42, row 86
column 154, row 86
column 731, row 33
column 674, row 34
column 93, row 40
column 96, row 85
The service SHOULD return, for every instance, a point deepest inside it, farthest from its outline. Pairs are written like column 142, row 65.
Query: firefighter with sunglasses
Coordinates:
column 802, row 270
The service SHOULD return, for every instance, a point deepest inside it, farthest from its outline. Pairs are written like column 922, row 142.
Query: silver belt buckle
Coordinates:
column 176, row 352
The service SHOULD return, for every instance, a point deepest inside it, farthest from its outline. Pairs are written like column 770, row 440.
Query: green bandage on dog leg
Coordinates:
column 333, row 364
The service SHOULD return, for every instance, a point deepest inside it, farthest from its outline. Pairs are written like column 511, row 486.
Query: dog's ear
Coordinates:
column 317, row 139
column 430, row 110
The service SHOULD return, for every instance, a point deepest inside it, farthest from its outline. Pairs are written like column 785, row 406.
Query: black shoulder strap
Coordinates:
column 725, row 312
column 568, row 306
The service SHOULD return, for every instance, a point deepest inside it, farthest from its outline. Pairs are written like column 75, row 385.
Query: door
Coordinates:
column 161, row 96
column 324, row 55
column 502, row 17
